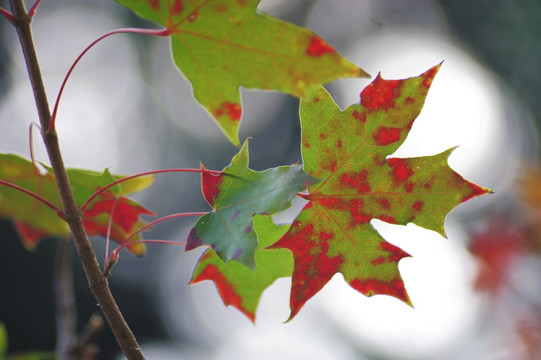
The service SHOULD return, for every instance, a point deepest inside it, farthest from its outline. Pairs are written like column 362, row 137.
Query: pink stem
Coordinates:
column 99, row 191
column 31, row 142
column 35, row 196
column 156, row 32
column 33, row 9
column 7, row 15
column 113, row 208
column 127, row 242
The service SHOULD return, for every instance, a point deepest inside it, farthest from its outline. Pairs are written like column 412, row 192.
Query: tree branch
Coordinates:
column 97, row 282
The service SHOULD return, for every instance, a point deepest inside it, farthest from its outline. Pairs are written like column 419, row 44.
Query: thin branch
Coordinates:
column 99, row 191
column 58, row 212
column 97, row 282
column 85, row 349
column 155, row 32
column 66, row 314
column 7, row 15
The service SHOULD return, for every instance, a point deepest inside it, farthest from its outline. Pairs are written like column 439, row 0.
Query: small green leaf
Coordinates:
column 236, row 196
column 221, row 45
column 239, row 286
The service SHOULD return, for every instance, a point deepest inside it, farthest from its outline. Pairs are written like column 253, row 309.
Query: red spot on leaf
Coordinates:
column 306, row 145
column 322, row 136
column 410, row 100
column 418, row 206
column 410, row 124
column 384, row 203
column 359, row 116
column 177, row 7
column 233, row 110
column 339, row 144
column 429, row 75
column 386, row 135
column 331, row 166
column 331, row 202
column 378, row 261
column 227, row 290
column 220, row 8
column 210, row 184
column 356, row 180
column 359, row 217
column 380, row 94
column 313, row 268
column 409, row 187
column 318, row 47
column 248, row 229
column 371, row 287
column 316, row 99
column 387, row 219
column 401, row 170
column 155, row 4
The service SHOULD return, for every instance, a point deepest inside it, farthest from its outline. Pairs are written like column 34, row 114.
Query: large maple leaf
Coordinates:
column 236, row 195
column 35, row 221
column 348, row 150
column 220, row 45
column 240, row 286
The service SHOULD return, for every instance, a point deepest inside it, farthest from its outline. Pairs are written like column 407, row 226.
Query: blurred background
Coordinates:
column 477, row 294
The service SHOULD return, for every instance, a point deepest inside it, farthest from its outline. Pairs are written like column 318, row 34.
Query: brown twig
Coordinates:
column 97, row 282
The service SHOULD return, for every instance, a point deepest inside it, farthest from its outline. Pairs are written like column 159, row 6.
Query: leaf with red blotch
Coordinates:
column 348, row 150
column 242, row 287
column 221, row 45
column 35, row 221
column 236, row 195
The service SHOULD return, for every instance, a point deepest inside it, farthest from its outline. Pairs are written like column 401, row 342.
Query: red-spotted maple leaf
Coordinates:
column 348, row 150
column 35, row 221
column 236, row 196
column 242, row 287
column 220, row 45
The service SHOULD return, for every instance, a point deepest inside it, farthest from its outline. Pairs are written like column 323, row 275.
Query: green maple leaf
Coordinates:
column 35, row 221
column 242, row 287
column 220, row 45
column 348, row 150
column 236, row 196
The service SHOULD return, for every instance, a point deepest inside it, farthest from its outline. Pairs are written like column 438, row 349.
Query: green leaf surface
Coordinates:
column 35, row 221
column 236, row 196
column 348, row 150
column 242, row 287
column 220, row 45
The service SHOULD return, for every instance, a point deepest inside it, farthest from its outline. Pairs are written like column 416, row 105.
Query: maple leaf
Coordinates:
column 35, row 221
column 236, row 196
column 242, row 287
column 223, row 44
column 347, row 150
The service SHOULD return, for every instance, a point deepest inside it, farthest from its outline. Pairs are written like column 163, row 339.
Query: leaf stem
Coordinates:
column 99, row 191
column 155, row 32
column 7, row 15
column 108, row 237
column 97, row 282
column 58, row 212
column 115, row 253
column 33, row 9
column 31, row 144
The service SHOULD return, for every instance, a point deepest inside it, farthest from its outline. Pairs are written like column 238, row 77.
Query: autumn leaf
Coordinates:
column 35, row 221
column 235, row 196
column 348, row 150
column 242, row 287
column 223, row 44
